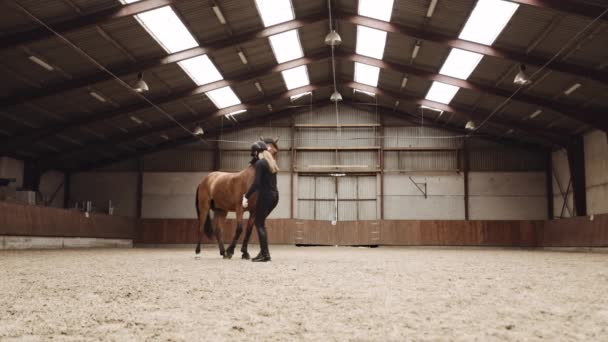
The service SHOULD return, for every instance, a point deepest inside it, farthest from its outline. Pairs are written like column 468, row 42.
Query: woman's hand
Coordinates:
column 245, row 202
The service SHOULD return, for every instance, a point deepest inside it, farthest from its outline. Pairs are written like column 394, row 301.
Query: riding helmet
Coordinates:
column 257, row 147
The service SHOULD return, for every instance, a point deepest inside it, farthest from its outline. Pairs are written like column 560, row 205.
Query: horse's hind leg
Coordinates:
column 220, row 218
column 237, row 234
column 247, row 237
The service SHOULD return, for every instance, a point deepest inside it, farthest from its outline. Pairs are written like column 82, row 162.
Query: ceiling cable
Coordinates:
column 103, row 68
column 564, row 46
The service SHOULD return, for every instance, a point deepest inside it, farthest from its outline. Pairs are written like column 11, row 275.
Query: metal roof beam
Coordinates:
column 464, row 111
column 143, row 65
column 592, row 117
column 178, row 141
column 567, row 6
column 10, row 144
column 55, row 159
column 85, row 21
column 519, row 57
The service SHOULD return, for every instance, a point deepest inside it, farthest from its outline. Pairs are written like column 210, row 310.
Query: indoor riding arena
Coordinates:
column 441, row 169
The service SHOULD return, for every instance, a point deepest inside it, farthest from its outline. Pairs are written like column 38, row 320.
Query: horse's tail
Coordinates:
column 207, row 225
column 198, row 210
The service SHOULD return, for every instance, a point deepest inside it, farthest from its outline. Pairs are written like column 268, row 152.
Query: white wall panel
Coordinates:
column 507, row 196
column 171, row 195
column 507, row 208
column 403, row 200
column 596, row 172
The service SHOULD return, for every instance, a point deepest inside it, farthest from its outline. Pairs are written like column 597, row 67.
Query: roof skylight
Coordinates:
column 377, row 9
column 223, row 97
column 168, row 30
column 286, row 46
column 296, row 77
column 275, row 12
column 441, row 92
column 201, row 70
column 487, row 20
column 370, row 42
column 366, row 74
column 460, row 63
column 171, row 33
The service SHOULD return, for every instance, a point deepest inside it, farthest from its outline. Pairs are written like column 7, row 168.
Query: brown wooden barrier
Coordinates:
column 26, row 220
column 576, row 232
column 29, row 220
column 285, row 231
column 179, row 231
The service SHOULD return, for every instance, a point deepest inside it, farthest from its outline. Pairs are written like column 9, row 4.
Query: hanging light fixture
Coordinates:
column 141, row 86
column 333, row 38
column 521, row 78
column 471, row 125
column 198, row 131
column 335, row 97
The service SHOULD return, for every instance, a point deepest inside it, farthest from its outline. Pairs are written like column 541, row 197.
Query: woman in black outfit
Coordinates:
column 265, row 184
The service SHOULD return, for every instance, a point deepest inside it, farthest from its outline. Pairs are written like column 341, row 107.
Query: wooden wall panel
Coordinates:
column 460, row 233
column 576, row 232
column 26, row 220
column 431, row 233
column 29, row 220
column 180, row 231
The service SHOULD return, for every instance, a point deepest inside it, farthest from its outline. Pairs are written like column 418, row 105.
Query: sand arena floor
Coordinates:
column 320, row 293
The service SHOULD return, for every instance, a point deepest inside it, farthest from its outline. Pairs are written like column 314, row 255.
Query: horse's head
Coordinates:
column 273, row 145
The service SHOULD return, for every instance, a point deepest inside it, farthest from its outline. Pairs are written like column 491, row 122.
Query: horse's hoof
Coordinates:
column 197, row 257
column 228, row 256
column 246, row 256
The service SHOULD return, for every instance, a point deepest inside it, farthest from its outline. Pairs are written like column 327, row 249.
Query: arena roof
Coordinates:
column 68, row 68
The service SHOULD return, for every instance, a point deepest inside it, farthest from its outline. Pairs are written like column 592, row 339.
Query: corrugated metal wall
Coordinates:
column 421, row 161
column 490, row 156
column 180, row 160
column 346, row 115
column 430, row 156
column 421, row 137
column 345, row 137
column 357, row 198
column 242, row 139
column 234, row 160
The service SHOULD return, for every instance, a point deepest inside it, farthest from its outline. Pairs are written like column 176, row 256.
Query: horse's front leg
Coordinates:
column 247, row 236
column 237, row 234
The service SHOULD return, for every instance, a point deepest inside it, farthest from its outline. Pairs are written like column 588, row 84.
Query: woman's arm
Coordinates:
column 257, row 181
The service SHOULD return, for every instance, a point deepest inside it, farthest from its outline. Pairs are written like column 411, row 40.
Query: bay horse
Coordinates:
column 222, row 192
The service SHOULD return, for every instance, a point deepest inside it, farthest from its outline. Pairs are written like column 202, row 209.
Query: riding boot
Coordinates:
column 264, row 255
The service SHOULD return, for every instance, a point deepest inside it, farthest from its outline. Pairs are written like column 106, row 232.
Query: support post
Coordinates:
column 549, row 184
column 291, row 168
column 576, row 161
column 31, row 176
column 216, row 156
column 465, row 169
column 66, row 189
column 382, row 168
column 140, row 186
